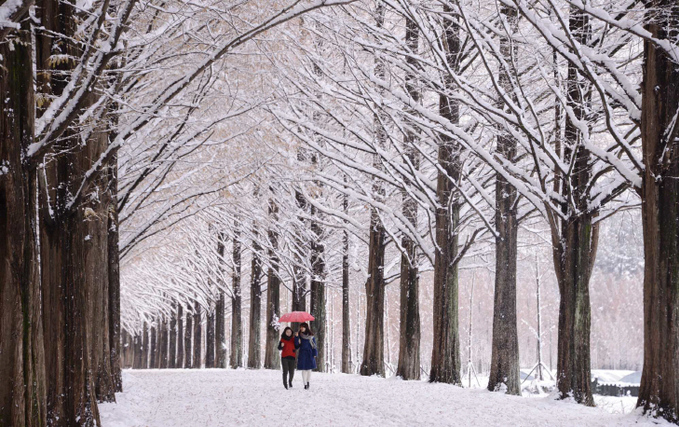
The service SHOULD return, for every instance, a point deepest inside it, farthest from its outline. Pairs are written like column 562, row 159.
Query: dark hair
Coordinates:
column 292, row 333
column 308, row 329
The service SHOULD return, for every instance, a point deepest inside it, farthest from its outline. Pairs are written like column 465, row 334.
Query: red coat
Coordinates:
column 288, row 347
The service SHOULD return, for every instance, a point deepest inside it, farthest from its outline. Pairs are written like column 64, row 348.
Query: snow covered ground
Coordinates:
column 216, row 397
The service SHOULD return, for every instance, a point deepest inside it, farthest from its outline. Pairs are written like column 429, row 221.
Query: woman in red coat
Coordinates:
column 287, row 347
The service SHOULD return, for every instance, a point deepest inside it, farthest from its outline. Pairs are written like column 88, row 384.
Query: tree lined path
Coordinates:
column 212, row 397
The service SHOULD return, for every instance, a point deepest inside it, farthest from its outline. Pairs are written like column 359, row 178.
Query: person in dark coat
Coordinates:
column 305, row 342
column 287, row 345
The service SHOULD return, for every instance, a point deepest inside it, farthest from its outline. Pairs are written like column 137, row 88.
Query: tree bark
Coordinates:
column 575, row 243
column 299, row 288
column 445, row 359
column 409, row 325
column 197, row 336
column 163, row 346
column 138, row 352
column 318, row 297
column 504, row 366
column 254, row 345
column 346, row 314
column 179, row 362
column 236, row 360
column 145, row 347
column 271, row 354
column 659, row 392
column 114, row 277
column 172, row 351
column 220, row 309
column 210, row 339
column 188, row 338
column 373, row 349
column 153, row 364
column 22, row 388
column 220, row 332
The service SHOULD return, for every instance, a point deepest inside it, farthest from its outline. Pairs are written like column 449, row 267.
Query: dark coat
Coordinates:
column 306, row 356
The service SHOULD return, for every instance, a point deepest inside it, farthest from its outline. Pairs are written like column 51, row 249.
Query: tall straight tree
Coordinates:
column 180, row 337
column 236, row 360
column 373, row 349
column 188, row 338
column 659, row 392
column 172, row 350
column 197, row 336
column 254, row 344
column 409, row 325
column 346, row 314
column 271, row 356
column 318, row 298
column 163, row 343
column 145, row 346
column 299, row 278
column 504, row 368
column 574, row 239
column 153, row 362
column 22, row 388
column 210, row 338
column 220, row 310
column 113, row 228
column 445, row 359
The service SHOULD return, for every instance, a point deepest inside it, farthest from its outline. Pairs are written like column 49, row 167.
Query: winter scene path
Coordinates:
column 217, row 397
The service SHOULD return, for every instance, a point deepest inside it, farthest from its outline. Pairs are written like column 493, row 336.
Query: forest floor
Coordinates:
column 218, row 397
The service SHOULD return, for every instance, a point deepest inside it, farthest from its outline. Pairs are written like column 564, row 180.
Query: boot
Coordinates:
column 290, row 383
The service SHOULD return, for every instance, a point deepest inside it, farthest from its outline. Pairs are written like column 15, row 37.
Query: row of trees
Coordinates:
column 77, row 83
column 437, row 127
column 480, row 117
column 453, row 124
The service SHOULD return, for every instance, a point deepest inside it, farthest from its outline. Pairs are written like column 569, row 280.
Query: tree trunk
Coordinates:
column 210, row 339
column 145, row 347
column 373, row 349
column 172, row 351
column 236, row 360
column 179, row 361
column 164, row 338
column 220, row 322
column 318, row 298
column 445, row 359
column 197, row 336
column 138, row 352
column 188, row 338
column 153, row 364
column 659, row 392
column 409, row 326
column 114, row 278
column 346, row 314
column 575, row 250
column 299, row 289
column 504, row 367
column 220, row 332
column 75, row 254
column 254, row 345
column 22, row 369
column 271, row 356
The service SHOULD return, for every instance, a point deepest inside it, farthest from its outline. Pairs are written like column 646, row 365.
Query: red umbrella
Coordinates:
column 296, row 316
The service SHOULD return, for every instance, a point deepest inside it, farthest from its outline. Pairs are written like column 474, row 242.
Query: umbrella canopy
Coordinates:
column 296, row 316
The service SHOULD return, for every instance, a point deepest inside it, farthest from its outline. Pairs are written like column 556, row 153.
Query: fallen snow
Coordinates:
column 217, row 397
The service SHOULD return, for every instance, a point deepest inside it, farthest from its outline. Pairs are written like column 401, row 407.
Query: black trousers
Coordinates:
column 288, row 370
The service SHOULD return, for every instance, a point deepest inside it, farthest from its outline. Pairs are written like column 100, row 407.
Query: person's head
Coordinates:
column 287, row 333
column 305, row 329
